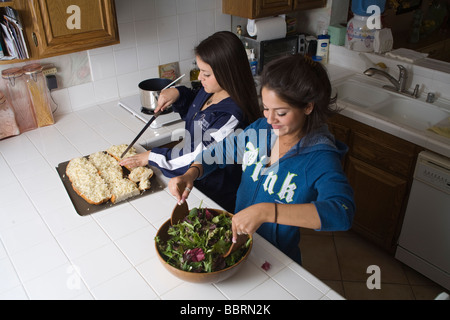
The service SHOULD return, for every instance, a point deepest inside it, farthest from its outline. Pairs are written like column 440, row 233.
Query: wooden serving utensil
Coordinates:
column 240, row 241
column 179, row 213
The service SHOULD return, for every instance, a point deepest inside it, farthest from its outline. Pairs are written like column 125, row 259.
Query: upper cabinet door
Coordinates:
column 309, row 4
column 253, row 9
column 272, row 7
column 66, row 26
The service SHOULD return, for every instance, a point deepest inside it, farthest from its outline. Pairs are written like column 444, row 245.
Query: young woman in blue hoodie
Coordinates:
column 291, row 165
column 226, row 101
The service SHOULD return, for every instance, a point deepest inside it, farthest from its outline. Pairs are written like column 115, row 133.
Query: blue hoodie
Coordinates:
column 311, row 172
column 203, row 128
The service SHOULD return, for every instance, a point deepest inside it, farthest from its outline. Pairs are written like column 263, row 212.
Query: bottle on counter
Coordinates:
column 323, row 46
column 239, row 32
column 195, row 71
column 253, row 63
column 19, row 98
column 248, row 50
column 39, row 95
column 193, row 74
column 8, row 124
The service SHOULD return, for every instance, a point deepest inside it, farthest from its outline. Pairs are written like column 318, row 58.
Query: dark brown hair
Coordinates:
column 226, row 55
column 298, row 80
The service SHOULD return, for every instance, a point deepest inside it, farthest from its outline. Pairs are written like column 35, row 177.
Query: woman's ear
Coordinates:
column 309, row 108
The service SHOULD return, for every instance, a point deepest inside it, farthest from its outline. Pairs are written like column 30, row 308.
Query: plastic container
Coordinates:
column 337, row 34
column 323, row 46
column 359, row 36
column 38, row 91
column 19, row 98
column 8, row 124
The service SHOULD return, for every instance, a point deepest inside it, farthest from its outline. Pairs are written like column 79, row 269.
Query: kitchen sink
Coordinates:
column 360, row 94
column 413, row 113
column 369, row 95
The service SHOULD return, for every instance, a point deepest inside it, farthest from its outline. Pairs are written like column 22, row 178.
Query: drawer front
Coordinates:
column 389, row 157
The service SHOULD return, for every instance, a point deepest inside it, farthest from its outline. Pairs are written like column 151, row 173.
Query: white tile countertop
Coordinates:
column 48, row 251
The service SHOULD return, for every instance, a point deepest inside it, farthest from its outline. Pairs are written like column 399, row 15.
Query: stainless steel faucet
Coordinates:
column 399, row 85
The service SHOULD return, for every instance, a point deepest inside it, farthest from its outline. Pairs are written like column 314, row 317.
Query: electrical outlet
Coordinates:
column 49, row 71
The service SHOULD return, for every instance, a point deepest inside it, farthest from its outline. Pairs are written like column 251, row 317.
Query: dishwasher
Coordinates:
column 424, row 242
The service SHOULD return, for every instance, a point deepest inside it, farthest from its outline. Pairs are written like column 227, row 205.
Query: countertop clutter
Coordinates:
column 48, row 251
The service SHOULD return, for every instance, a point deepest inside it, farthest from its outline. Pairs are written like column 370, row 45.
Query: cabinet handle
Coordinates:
column 35, row 40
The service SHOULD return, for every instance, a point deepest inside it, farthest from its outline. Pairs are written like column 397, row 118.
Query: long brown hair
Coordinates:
column 298, row 81
column 226, row 55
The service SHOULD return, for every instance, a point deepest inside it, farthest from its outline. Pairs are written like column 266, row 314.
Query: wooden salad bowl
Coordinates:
column 205, row 277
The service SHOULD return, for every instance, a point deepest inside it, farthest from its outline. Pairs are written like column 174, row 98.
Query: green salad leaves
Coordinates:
column 197, row 243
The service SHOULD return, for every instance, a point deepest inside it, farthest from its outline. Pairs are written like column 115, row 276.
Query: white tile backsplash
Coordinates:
column 152, row 32
column 187, row 24
column 185, row 6
column 143, row 9
column 146, row 32
column 102, row 66
column 148, row 56
column 126, row 60
column 106, row 90
column 166, row 8
column 169, row 51
column 167, row 28
column 82, row 96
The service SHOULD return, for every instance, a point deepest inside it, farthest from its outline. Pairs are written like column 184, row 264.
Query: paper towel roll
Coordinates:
column 267, row 29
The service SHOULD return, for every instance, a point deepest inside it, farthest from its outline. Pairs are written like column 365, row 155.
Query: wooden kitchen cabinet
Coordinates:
column 309, row 4
column 55, row 27
column 253, row 9
column 380, row 168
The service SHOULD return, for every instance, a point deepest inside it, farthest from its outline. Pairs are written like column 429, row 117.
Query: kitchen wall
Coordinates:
column 152, row 32
column 312, row 21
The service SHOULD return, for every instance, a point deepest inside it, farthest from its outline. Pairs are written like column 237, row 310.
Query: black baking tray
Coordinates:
column 84, row 208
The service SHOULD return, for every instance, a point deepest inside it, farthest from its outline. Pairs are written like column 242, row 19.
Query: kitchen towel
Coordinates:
column 383, row 41
column 407, row 55
column 268, row 28
column 442, row 128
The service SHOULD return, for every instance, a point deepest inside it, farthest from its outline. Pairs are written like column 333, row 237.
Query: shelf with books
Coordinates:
column 13, row 43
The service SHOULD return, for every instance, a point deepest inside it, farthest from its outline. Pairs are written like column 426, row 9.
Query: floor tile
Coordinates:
column 359, row 291
column 426, row 292
column 355, row 255
column 319, row 254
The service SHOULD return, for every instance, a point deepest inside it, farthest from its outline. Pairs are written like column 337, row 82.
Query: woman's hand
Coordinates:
column 166, row 98
column 139, row 160
column 181, row 186
column 248, row 220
